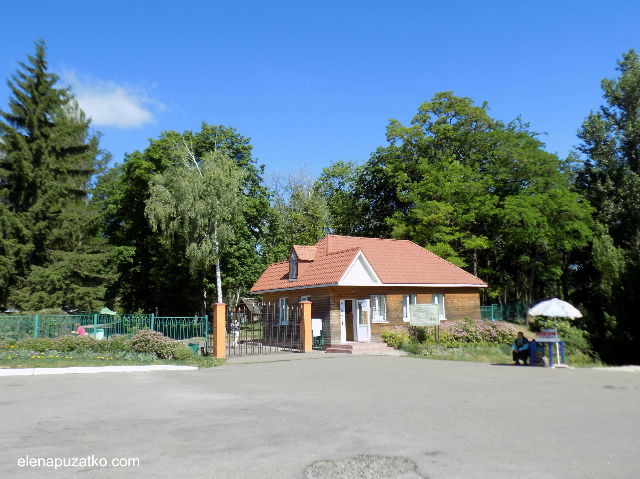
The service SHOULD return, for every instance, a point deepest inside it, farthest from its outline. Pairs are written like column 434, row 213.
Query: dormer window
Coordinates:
column 293, row 266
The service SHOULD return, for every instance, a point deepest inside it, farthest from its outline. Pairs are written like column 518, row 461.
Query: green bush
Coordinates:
column 117, row 343
column 182, row 352
column 420, row 334
column 574, row 338
column 87, row 343
column 465, row 333
column 396, row 338
column 65, row 344
column 34, row 344
column 147, row 341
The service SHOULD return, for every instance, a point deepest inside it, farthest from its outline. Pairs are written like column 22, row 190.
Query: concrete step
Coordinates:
column 339, row 350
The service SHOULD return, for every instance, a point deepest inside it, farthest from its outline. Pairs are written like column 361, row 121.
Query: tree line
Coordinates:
column 192, row 219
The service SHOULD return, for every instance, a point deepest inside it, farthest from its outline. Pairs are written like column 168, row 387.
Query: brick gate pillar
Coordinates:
column 219, row 329
column 306, row 338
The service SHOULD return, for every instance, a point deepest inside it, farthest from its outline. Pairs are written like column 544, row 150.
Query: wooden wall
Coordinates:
column 325, row 304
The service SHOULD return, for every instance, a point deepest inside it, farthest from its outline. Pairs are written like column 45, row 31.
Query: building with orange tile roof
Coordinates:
column 362, row 286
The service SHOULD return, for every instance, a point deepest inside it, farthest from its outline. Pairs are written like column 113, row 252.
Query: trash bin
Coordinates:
column 100, row 334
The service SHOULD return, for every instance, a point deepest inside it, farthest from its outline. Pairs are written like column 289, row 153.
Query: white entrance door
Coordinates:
column 363, row 323
column 343, row 329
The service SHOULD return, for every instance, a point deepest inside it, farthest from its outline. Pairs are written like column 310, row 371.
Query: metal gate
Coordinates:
column 262, row 328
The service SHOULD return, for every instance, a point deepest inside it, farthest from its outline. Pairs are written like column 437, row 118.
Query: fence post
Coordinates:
column 95, row 325
column 206, row 329
column 219, row 329
column 35, row 331
column 306, row 338
column 153, row 317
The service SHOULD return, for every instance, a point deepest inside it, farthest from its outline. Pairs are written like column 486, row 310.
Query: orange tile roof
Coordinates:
column 305, row 253
column 394, row 262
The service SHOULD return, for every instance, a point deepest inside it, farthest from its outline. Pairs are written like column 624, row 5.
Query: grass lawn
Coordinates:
column 493, row 354
column 21, row 360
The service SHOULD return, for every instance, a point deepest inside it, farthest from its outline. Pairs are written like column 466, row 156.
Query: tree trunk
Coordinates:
column 475, row 261
column 533, row 274
column 565, row 285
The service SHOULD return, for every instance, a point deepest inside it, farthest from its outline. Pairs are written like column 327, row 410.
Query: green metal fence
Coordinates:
column 100, row 325
column 512, row 312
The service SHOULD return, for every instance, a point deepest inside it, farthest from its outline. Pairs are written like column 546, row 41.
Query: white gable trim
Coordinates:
column 359, row 273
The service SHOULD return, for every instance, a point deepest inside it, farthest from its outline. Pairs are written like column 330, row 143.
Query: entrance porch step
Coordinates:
column 360, row 348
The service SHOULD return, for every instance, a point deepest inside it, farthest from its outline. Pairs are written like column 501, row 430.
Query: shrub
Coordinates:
column 420, row 334
column 182, row 352
column 465, row 333
column 573, row 337
column 34, row 344
column 87, row 343
column 147, row 341
column 65, row 344
column 116, row 344
column 396, row 338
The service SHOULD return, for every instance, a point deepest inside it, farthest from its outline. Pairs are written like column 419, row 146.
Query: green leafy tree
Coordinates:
column 155, row 272
column 47, row 160
column 610, row 179
column 480, row 193
column 338, row 183
column 301, row 211
column 199, row 201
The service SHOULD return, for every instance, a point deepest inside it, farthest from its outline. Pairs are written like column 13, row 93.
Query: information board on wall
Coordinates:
column 424, row 315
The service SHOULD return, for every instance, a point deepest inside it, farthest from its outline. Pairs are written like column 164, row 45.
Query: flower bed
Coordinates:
column 468, row 332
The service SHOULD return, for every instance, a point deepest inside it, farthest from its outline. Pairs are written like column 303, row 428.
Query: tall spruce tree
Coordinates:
column 47, row 160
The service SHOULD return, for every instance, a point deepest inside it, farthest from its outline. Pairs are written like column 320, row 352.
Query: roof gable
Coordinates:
column 359, row 273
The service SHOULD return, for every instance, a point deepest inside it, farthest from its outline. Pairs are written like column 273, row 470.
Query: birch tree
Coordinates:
column 198, row 201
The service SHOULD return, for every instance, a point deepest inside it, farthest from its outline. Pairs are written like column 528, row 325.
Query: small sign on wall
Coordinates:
column 547, row 336
column 424, row 315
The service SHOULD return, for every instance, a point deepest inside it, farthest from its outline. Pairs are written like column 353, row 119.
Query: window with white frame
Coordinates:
column 439, row 300
column 283, row 316
column 378, row 308
column 305, row 298
column 407, row 301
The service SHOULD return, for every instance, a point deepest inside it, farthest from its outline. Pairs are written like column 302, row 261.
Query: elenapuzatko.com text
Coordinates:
column 89, row 461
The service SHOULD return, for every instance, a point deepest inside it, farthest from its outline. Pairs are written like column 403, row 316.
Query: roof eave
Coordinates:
column 419, row 285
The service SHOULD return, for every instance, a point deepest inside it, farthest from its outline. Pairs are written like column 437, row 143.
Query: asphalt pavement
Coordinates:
column 326, row 416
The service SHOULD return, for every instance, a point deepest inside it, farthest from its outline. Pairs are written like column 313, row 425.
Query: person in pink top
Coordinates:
column 80, row 331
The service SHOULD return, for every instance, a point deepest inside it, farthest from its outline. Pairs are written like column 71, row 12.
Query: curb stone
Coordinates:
column 93, row 370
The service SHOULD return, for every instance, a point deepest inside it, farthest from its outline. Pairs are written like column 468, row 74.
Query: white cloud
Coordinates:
column 109, row 104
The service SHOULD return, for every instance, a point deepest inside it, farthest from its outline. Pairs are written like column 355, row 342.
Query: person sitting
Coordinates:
column 80, row 331
column 521, row 349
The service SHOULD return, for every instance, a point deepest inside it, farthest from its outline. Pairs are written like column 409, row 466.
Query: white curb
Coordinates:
column 93, row 370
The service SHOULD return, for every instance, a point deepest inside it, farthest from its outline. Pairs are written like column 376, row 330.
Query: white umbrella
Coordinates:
column 555, row 308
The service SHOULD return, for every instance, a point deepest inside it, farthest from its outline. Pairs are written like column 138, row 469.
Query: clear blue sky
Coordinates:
column 311, row 82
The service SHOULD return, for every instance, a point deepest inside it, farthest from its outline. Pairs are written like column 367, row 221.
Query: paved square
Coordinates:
column 276, row 419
